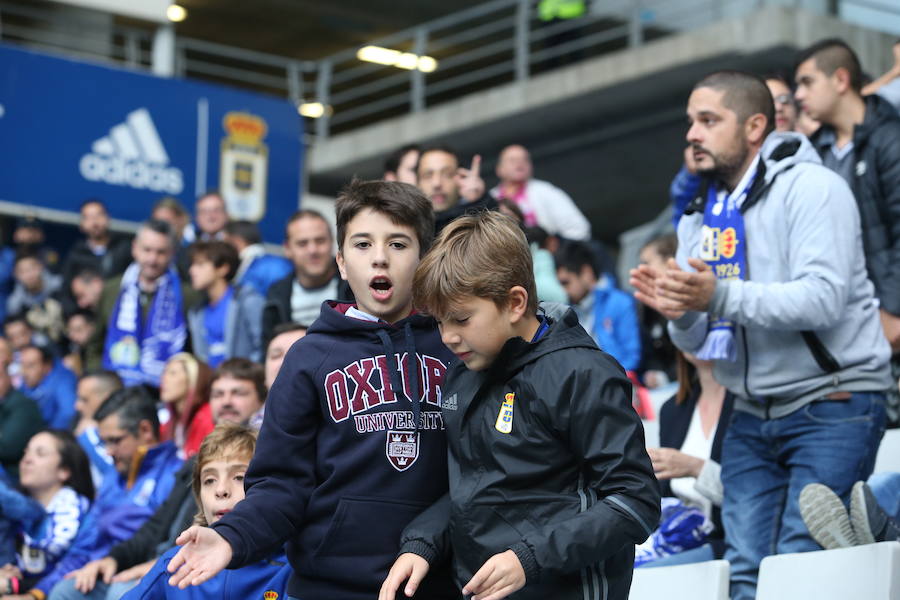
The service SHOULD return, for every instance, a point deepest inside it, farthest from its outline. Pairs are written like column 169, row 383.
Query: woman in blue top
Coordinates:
column 41, row 520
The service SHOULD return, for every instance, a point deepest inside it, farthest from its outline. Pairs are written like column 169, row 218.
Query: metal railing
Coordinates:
column 502, row 41
column 493, row 43
column 52, row 29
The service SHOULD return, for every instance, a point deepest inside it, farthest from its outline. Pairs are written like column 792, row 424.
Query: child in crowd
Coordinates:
column 550, row 483
column 218, row 485
column 352, row 446
column 34, row 293
column 80, row 326
column 228, row 322
column 44, row 517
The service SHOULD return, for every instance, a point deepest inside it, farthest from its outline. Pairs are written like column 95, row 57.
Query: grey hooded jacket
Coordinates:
column 807, row 321
column 243, row 326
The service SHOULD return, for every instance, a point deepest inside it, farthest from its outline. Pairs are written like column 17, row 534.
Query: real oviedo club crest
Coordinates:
column 244, row 170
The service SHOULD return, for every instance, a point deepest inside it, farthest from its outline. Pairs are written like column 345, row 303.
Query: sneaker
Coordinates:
column 870, row 522
column 826, row 517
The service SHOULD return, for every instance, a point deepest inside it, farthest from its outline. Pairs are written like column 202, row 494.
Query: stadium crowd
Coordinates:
column 137, row 371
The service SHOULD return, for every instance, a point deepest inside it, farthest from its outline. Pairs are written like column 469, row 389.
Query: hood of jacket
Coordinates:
column 565, row 332
column 783, row 150
column 333, row 319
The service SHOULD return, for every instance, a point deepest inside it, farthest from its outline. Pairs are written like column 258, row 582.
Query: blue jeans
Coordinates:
column 765, row 464
column 886, row 489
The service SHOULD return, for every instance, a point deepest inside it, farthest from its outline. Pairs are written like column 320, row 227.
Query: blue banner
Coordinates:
column 74, row 130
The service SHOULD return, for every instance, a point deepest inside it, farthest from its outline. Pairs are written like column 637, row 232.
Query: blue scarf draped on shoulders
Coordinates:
column 723, row 247
column 137, row 349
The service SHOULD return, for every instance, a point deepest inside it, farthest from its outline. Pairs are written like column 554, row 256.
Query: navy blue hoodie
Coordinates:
column 344, row 461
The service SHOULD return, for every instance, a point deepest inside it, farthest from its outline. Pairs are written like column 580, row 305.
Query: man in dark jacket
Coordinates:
column 453, row 190
column 860, row 140
column 101, row 250
column 298, row 298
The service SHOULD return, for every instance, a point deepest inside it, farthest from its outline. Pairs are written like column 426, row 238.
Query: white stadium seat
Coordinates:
column 698, row 581
column 651, row 433
column 871, row 572
column 888, row 459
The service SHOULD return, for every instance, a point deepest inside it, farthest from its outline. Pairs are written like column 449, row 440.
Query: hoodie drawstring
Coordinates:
column 412, row 365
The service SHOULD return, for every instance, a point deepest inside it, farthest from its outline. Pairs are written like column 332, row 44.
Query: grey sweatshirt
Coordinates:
column 805, row 273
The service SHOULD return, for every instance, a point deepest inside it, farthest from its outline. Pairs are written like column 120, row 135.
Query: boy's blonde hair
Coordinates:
column 481, row 255
column 227, row 440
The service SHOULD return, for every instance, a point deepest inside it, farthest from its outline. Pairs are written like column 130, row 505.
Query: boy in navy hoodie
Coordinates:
column 550, row 483
column 352, row 447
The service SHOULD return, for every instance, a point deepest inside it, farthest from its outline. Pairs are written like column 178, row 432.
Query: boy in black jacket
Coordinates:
column 352, row 446
column 550, row 483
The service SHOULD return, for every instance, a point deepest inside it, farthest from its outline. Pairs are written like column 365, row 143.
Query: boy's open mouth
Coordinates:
column 381, row 287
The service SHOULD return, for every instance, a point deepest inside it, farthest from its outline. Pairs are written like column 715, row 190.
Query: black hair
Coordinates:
column 73, row 458
column 108, row 380
column 832, row 54
column 86, row 313
column 573, row 255
column 666, row 245
column 217, row 252
column 242, row 368
column 437, row 148
column 160, row 227
column 745, row 94
column 246, row 230
column 402, row 203
column 89, row 274
column 305, row 213
column 24, row 252
column 46, row 354
column 283, row 328
column 133, row 405
column 94, row 201
column 17, row 318
column 392, row 162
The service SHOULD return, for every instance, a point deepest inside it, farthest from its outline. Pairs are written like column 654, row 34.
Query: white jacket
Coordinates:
column 555, row 211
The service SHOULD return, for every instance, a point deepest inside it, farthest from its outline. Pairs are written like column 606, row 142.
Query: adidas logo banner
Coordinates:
column 133, row 155
column 76, row 130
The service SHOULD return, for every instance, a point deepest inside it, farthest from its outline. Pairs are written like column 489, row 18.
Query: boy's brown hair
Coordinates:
column 218, row 253
column 481, row 255
column 227, row 440
column 402, row 203
column 239, row 367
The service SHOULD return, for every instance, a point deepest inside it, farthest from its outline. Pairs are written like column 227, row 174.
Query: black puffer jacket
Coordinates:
column 569, row 489
column 876, row 186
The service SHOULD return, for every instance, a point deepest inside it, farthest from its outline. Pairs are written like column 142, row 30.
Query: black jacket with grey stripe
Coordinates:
column 570, row 489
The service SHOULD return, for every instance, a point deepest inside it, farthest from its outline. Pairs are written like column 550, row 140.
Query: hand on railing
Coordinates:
column 469, row 181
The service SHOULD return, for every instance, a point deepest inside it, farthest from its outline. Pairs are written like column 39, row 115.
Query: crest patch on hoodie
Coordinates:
column 505, row 418
column 402, row 449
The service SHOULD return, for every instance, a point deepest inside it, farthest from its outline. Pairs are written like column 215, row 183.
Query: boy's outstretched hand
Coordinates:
column 499, row 577
column 408, row 567
column 203, row 554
